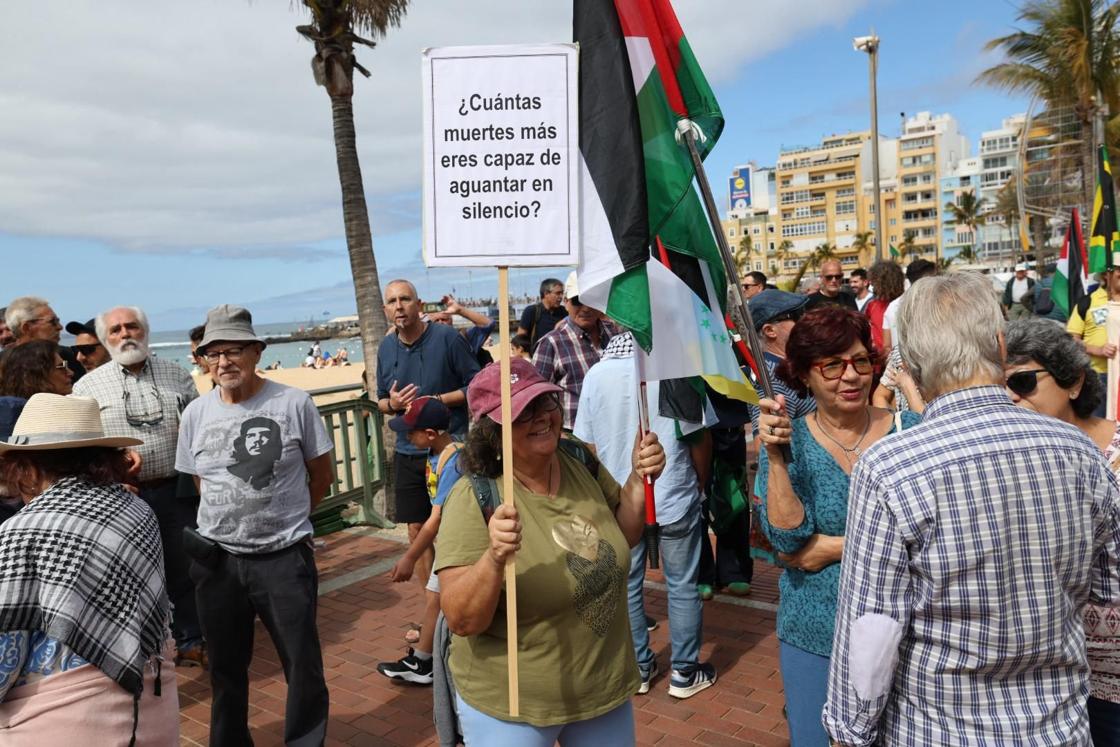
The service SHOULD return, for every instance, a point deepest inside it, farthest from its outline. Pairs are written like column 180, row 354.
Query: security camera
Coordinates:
column 865, row 43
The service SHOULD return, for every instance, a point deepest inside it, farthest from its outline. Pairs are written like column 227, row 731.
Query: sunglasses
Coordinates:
column 547, row 403
column 1024, row 383
column 86, row 350
column 833, row 277
column 835, row 368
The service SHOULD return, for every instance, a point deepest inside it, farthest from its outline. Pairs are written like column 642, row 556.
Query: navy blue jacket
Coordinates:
column 438, row 362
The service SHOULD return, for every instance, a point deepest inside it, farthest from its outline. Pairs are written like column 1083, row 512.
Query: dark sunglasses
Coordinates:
column 1025, row 382
column 791, row 316
column 833, row 277
column 86, row 349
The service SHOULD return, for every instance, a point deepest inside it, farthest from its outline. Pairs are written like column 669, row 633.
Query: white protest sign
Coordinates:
column 501, row 152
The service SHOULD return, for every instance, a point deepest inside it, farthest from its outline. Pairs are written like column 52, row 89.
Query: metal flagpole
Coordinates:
column 744, row 323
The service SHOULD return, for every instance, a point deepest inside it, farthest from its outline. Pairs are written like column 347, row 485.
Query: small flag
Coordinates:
column 894, row 252
column 1104, row 239
column 1070, row 281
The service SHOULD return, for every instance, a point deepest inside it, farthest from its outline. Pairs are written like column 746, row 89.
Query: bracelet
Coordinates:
column 439, row 398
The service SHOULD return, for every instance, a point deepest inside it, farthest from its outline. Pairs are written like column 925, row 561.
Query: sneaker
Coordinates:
column 192, row 655
column 705, row 591
column 651, row 624
column 686, row 684
column 647, row 677
column 739, row 588
column 409, row 669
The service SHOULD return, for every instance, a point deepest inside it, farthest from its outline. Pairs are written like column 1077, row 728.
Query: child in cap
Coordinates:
column 425, row 424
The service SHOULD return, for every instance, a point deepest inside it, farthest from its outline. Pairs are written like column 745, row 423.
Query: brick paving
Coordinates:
column 363, row 618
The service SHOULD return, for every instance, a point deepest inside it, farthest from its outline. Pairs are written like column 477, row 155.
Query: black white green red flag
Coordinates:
column 638, row 80
column 1104, row 239
column 1070, row 280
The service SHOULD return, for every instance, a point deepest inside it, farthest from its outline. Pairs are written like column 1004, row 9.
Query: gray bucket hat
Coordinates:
column 228, row 323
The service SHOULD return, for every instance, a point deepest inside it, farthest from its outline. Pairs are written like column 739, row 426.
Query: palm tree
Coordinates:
column 1068, row 55
column 862, row 243
column 815, row 259
column 781, row 253
column 743, row 256
column 333, row 31
column 906, row 246
column 968, row 212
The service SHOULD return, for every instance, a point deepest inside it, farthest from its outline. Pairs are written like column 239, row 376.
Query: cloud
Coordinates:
column 196, row 127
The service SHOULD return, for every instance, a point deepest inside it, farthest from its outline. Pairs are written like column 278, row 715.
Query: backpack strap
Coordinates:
column 444, row 456
column 580, row 451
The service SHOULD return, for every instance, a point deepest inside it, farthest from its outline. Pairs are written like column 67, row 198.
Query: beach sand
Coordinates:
column 309, row 379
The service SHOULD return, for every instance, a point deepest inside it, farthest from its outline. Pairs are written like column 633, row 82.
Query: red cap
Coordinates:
column 484, row 395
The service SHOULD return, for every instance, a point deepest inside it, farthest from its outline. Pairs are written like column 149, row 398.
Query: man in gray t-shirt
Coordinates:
column 261, row 457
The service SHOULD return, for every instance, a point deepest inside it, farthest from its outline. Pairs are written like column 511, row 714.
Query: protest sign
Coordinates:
column 501, row 150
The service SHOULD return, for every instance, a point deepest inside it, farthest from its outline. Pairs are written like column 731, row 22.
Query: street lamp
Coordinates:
column 870, row 45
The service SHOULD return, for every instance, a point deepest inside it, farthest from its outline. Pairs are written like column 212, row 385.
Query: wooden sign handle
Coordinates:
column 507, row 485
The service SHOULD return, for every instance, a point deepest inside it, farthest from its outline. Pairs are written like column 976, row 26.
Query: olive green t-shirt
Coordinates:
column 575, row 655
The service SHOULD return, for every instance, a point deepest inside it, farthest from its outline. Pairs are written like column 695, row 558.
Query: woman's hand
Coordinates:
column 820, row 551
column 774, row 426
column 648, row 457
column 505, row 534
column 402, row 570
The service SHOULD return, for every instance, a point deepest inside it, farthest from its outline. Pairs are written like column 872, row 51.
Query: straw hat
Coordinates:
column 52, row 421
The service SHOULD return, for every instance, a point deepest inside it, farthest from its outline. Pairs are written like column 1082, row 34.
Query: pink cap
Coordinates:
column 484, row 395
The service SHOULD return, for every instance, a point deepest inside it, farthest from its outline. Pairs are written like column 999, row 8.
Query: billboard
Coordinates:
column 740, row 188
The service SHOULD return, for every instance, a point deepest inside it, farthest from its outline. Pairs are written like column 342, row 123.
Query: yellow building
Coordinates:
column 929, row 148
column 818, row 200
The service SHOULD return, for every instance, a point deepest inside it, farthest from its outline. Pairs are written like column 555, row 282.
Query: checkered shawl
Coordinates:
column 83, row 564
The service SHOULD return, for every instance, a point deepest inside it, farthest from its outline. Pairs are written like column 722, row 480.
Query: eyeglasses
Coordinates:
column 86, row 350
column 547, row 403
column 61, row 366
column 747, row 286
column 231, row 354
column 833, row 277
column 51, row 320
column 1024, row 383
column 142, row 404
column 834, row 369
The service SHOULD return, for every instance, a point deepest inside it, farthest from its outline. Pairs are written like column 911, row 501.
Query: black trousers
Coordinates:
column 282, row 589
column 732, row 562
column 173, row 514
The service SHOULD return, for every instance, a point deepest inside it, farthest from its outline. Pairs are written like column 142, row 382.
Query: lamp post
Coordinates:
column 870, row 45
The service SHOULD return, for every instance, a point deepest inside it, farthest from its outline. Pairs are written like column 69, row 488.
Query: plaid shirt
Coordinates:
column 974, row 541
column 145, row 406
column 563, row 357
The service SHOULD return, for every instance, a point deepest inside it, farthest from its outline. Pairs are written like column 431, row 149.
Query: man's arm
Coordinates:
column 872, row 615
column 319, row 477
column 544, row 359
column 700, row 449
column 526, row 320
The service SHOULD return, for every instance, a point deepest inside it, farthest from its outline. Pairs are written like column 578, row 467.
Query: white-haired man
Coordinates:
column 32, row 318
column 143, row 397
column 974, row 541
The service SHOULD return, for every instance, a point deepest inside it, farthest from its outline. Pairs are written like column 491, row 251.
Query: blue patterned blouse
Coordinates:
column 807, row 609
column 28, row 656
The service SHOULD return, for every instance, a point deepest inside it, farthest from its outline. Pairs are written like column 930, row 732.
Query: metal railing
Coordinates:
column 359, row 463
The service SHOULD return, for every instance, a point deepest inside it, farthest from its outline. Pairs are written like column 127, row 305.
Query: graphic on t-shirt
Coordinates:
column 256, row 451
column 594, row 564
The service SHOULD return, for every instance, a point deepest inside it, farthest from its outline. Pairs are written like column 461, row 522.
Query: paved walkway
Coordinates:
column 363, row 618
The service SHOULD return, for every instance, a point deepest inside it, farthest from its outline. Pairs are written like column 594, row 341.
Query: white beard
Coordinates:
column 129, row 352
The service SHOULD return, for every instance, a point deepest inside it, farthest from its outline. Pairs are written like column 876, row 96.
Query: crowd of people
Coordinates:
column 931, row 472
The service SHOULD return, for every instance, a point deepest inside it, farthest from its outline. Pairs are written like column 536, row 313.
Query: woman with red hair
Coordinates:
column 830, row 355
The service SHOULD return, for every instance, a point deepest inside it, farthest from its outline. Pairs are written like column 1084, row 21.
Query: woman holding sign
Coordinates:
column 571, row 530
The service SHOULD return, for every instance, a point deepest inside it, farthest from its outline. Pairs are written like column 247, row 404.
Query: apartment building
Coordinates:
column 930, row 146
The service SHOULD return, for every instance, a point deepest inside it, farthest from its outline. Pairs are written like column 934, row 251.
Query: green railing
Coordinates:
column 359, row 461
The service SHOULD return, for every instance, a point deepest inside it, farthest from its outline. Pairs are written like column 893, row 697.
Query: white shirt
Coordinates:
column 1019, row 289
column 889, row 320
column 861, row 302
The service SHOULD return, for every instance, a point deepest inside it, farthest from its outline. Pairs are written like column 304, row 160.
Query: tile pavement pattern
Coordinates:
column 362, row 620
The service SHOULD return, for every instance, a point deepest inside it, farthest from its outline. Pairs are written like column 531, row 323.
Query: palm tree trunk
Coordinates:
column 359, row 242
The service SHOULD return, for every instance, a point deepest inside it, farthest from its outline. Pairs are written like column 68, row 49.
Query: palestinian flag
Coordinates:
column 1104, row 239
column 1070, row 281
column 638, row 78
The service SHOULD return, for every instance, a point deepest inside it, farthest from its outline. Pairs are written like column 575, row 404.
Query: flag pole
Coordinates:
column 507, row 486
column 652, row 532
column 744, row 323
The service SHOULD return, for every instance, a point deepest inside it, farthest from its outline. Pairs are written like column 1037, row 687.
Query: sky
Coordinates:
column 178, row 155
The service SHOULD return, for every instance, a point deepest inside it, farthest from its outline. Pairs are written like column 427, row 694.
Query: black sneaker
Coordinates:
column 647, row 677
column 651, row 624
column 409, row 669
column 686, row 684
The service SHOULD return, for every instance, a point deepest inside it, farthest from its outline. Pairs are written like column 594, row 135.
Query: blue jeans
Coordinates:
column 680, row 562
column 805, row 682
column 1104, row 722
column 615, row 727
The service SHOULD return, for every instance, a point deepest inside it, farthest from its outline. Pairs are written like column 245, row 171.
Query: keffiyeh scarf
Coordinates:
column 83, row 564
column 620, row 346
